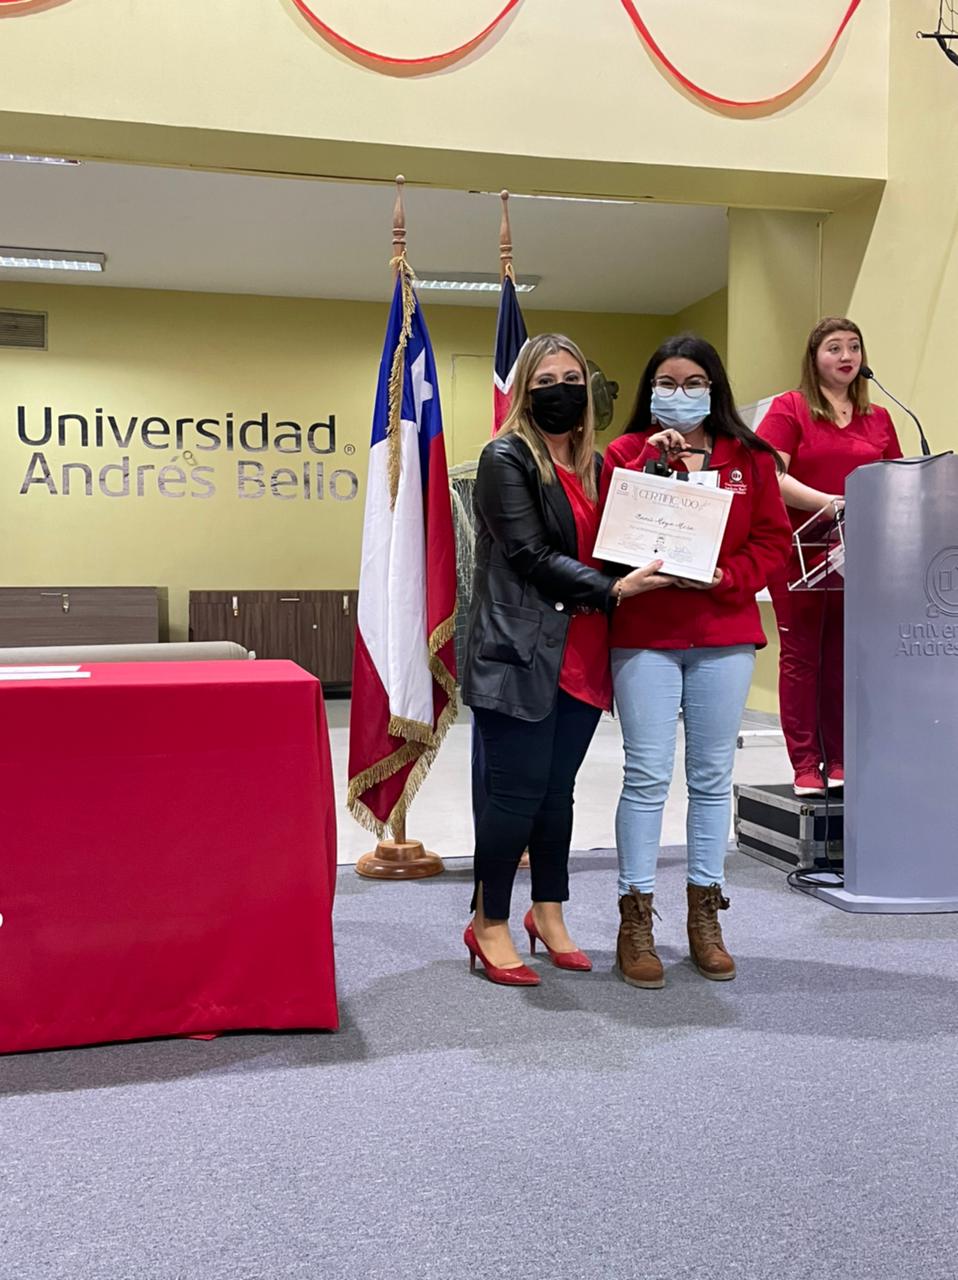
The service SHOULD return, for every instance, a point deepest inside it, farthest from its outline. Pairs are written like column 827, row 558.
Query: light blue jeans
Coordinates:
column 710, row 686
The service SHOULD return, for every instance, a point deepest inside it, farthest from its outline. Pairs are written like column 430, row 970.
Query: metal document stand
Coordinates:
column 819, row 550
column 901, row 689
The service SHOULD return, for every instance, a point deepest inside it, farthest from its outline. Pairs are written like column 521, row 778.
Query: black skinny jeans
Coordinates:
column 530, row 770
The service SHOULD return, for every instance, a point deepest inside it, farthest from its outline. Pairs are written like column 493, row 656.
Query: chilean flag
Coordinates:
column 511, row 337
column 404, row 668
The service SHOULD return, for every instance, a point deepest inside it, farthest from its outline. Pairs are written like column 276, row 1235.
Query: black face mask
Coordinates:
column 559, row 408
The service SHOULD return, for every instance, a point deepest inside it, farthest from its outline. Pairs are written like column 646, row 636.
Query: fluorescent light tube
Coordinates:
column 472, row 282
column 530, row 195
column 13, row 258
column 18, row 159
column 535, row 195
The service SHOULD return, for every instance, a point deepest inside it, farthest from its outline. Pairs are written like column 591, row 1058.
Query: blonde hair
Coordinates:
column 819, row 405
column 519, row 418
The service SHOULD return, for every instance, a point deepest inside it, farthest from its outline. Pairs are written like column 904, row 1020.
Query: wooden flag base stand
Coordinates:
column 399, row 859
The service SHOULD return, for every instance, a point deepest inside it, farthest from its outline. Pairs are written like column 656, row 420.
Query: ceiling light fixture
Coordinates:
column 17, row 259
column 534, row 195
column 472, row 282
column 18, row 159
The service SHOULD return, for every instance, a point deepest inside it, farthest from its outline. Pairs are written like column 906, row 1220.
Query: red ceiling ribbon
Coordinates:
column 348, row 45
column 631, row 8
column 643, row 30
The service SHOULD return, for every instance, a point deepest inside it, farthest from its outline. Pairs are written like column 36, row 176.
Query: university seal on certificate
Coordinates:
column 649, row 517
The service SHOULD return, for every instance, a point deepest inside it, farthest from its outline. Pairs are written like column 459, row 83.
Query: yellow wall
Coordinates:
column 708, row 318
column 774, row 300
column 774, row 297
column 129, row 352
column 893, row 266
column 565, row 98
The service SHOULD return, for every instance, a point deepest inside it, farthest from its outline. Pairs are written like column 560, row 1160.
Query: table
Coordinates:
column 167, row 853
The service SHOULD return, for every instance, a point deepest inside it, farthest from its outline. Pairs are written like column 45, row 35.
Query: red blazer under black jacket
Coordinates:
column 756, row 545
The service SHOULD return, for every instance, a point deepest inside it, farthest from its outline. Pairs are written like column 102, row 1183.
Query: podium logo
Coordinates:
column 941, row 583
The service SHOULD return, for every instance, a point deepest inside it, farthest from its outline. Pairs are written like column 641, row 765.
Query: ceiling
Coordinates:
column 233, row 233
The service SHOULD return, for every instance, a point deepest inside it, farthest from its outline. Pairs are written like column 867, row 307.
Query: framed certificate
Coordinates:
column 649, row 517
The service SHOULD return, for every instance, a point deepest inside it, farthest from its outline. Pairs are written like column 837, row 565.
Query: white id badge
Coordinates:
column 708, row 479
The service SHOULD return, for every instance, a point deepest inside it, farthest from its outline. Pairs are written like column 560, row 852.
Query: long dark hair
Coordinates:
column 723, row 419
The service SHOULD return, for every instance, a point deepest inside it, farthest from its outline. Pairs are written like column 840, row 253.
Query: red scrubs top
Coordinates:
column 823, row 455
column 585, row 672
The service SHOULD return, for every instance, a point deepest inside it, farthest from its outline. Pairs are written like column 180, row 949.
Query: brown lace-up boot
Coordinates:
column 705, row 933
column 635, row 956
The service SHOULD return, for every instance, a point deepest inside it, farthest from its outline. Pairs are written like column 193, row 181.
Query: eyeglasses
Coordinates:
column 695, row 388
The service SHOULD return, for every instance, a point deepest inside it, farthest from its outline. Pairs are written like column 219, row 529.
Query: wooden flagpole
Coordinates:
column 505, row 241
column 399, row 221
column 399, row 858
column 506, row 269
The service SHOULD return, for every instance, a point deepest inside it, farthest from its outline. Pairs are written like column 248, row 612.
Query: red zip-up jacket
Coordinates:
column 756, row 544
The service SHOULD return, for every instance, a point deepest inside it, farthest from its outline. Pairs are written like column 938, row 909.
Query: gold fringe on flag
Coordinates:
column 422, row 744
column 421, row 740
column 393, row 432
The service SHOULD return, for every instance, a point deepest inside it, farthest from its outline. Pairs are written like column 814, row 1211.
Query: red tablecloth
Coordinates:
column 167, row 853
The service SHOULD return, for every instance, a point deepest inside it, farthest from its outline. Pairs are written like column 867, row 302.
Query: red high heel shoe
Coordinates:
column 521, row 976
column 575, row 960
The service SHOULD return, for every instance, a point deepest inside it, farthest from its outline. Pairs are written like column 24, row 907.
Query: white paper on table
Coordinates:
column 44, row 667
column 45, row 675
column 649, row 517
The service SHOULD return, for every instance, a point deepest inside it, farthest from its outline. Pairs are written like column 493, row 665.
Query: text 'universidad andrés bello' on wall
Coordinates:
column 196, row 457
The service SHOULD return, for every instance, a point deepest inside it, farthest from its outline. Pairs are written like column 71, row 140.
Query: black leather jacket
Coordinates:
column 527, row 583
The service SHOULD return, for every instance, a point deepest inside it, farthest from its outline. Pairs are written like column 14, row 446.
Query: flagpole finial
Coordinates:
column 399, row 220
column 505, row 240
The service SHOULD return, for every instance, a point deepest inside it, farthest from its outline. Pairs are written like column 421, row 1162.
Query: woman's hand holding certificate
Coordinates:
column 717, row 577
column 649, row 517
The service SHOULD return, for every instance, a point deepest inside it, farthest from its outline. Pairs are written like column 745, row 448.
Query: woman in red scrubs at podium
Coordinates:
column 822, row 431
column 536, row 671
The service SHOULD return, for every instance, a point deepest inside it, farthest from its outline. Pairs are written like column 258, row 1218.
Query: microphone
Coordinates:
column 868, row 373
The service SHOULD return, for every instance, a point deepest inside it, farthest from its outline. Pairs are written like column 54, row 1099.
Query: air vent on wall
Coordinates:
column 25, row 329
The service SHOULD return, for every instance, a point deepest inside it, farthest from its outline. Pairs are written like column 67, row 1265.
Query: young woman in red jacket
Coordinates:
column 690, row 649
column 822, row 431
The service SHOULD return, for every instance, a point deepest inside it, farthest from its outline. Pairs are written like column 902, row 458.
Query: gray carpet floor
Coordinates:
column 799, row 1122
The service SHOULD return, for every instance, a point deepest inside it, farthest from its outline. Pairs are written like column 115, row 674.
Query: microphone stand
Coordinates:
column 866, row 372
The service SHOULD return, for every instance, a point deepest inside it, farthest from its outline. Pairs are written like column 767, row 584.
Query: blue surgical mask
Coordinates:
column 679, row 410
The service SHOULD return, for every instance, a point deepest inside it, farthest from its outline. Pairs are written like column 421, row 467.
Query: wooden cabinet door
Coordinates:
column 315, row 629
column 266, row 622
column 212, row 617
column 78, row 615
column 330, row 627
